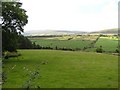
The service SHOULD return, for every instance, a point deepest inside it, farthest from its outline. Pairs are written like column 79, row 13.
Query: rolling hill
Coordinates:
column 67, row 32
column 107, row 31
column 52, row 32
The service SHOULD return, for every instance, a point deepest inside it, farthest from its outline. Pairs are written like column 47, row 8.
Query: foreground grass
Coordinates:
column 64, row 69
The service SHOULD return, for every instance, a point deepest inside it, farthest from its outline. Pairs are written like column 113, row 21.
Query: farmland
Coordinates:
column 79, row 67
column 108, row 43
column 73, row 42
column 62, row 69
column 83, row 42
column 59, row 44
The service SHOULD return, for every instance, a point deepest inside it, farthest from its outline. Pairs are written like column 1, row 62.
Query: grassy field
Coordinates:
column 62, row 69
column 64, row 43
column 107, row 43
column 72, row 42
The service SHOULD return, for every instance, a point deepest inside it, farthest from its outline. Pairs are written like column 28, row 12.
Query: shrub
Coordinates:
column 56, row 47
column 10, row 54
column 117, row 51
column 99, row 50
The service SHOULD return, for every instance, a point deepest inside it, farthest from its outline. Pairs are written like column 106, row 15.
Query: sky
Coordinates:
column 72, row 15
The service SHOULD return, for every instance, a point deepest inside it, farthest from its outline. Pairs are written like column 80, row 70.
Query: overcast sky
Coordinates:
column 78, row 15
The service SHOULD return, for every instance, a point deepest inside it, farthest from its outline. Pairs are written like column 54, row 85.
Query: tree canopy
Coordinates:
column 14, row 18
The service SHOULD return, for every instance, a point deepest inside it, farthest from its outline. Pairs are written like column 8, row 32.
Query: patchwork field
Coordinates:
column 61, row 69
column 83, row 42
column 73, row 42
column 80, row 67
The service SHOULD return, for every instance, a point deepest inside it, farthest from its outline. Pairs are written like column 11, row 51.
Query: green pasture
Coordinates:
column 64, row 42
column 62, row 69
column 107, row 43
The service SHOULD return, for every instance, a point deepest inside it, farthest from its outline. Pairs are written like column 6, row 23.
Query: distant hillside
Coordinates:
column 107, row 31
column 67, row 32
column 50, row 32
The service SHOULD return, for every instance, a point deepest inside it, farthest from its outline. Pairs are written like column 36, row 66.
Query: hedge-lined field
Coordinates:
column 107, row 43
column 63, row 43
column 72, row 42
column 84, row 42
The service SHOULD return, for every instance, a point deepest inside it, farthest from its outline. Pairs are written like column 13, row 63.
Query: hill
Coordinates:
column 67, row 32
column 107, row 31
column 52, row 32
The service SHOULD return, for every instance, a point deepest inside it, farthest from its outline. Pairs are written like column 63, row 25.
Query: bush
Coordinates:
column 10, row 54
column 117, row 51
column 99, row 50
column 56, row 47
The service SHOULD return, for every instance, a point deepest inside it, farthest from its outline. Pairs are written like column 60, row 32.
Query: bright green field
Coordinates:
column 107, row 43
column 64, row 69
column 63, row 43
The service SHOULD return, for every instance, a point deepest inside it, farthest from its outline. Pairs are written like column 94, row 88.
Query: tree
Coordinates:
column 13, row 20
column 24, row 43
column 99, row 50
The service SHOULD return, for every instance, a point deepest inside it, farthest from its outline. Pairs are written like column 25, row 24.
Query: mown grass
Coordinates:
column 64, row 69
